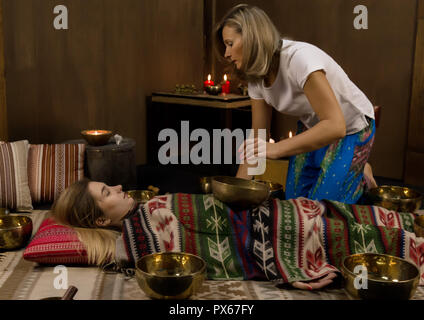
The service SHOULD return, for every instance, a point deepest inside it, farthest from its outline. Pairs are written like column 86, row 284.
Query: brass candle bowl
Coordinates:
column 419, row 226
column 400, row 199
column 388, row 277
column 15, row 231
column 239, row 194
column 170, row 275
column 214, row 90
column 206, row 184
column 97, row 137
column 141, row 196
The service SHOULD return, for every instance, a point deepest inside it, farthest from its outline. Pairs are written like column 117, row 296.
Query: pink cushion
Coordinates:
column 56, row 244
column 14, row 189
column 52, row 168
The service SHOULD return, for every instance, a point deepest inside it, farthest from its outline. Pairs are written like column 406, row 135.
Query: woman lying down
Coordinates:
column 299, row 242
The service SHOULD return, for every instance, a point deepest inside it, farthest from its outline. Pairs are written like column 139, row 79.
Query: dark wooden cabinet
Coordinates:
column 201, row 111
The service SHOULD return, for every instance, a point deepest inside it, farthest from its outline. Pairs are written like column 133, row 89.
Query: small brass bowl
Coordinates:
column 15, row 231
column 239, row 194
column 214, row 90
column 170, row 275
column 388, row 277
column 206, row 184
column 97, row 137
column 400, row 199
column 419, row 226
column 141, row 195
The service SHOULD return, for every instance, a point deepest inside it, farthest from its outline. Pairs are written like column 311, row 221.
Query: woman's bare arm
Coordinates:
column 330, row 128
column 261, row 119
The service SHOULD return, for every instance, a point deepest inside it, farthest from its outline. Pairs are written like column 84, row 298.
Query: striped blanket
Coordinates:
column 282, row 240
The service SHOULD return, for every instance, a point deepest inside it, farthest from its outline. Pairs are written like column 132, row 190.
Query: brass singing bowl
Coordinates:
column 170, row 275
column 214, row 90
column 400, row 199
column 419, row 226
column 15, row 231
column 239, row 194
column 100, row 139
column 141, row 196
column 388, row 277
column 276, row 189
column 206, row 184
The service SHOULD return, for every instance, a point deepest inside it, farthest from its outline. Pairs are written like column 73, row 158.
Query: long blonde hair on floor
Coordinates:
column 76, row 208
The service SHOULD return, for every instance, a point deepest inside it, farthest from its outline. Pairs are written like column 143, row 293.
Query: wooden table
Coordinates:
column 227, row 102
column 168, row 109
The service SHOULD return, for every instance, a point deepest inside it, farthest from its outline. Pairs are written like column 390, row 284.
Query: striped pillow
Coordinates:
column 14, row 189
column 52, row 168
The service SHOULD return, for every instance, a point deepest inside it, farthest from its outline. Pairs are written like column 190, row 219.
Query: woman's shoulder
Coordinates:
column 293, row 47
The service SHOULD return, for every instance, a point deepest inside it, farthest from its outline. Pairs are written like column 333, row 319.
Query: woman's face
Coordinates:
column 233, row 45
column 114, row 203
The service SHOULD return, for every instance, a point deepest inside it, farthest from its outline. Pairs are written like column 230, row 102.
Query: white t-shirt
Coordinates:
column 298, row 60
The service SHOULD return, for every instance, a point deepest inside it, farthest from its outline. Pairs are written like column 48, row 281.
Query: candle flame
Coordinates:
column 290, row 134
column 271, row 140
column 225, row 77
column 209, row 77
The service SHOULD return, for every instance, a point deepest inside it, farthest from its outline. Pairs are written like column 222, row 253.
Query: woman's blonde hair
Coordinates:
column 260, row 38
column 77, row 208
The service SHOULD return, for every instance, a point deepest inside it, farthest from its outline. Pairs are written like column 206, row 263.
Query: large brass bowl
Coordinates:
column 15, row 231
column 389, row 277
column 400, row 199
column 170, row 275
column 141, row 196
column 276, row 189
column 239, row 194
column 97, row 137
column 419, row 226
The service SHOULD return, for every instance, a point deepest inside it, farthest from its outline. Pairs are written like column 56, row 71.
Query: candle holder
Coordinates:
column 97, row 137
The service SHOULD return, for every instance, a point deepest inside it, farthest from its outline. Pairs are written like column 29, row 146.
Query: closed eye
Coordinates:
column 105, row 191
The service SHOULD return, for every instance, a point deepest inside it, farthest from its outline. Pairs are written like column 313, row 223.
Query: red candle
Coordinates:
column 226, row 85
column 208, row 82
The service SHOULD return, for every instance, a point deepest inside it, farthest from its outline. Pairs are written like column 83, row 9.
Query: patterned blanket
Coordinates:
column 282, row 240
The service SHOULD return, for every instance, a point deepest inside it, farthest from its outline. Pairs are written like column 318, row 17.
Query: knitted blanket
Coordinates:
column 281, row 240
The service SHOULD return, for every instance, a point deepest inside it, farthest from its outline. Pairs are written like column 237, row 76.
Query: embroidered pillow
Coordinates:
column 56, row 244
column 52, row 168
column 14, row 189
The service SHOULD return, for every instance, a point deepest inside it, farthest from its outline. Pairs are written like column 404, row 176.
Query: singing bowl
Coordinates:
column 141, row 195
column 419, row 226
column 388, row 277
column 206, row 184
column 239, row 194
column 170, row 275
column 214, row 90
column 15, row 231
column 276, row 189
column 100, row 139
column 400, row 199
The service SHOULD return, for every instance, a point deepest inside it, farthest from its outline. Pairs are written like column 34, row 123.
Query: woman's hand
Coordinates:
column 315, row 284
column 252, row 149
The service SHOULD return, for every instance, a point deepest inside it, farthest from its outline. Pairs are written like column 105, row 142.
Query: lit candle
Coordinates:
column 208, row 82
column 290, row 134
column 225, row 85
column 271, row 140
